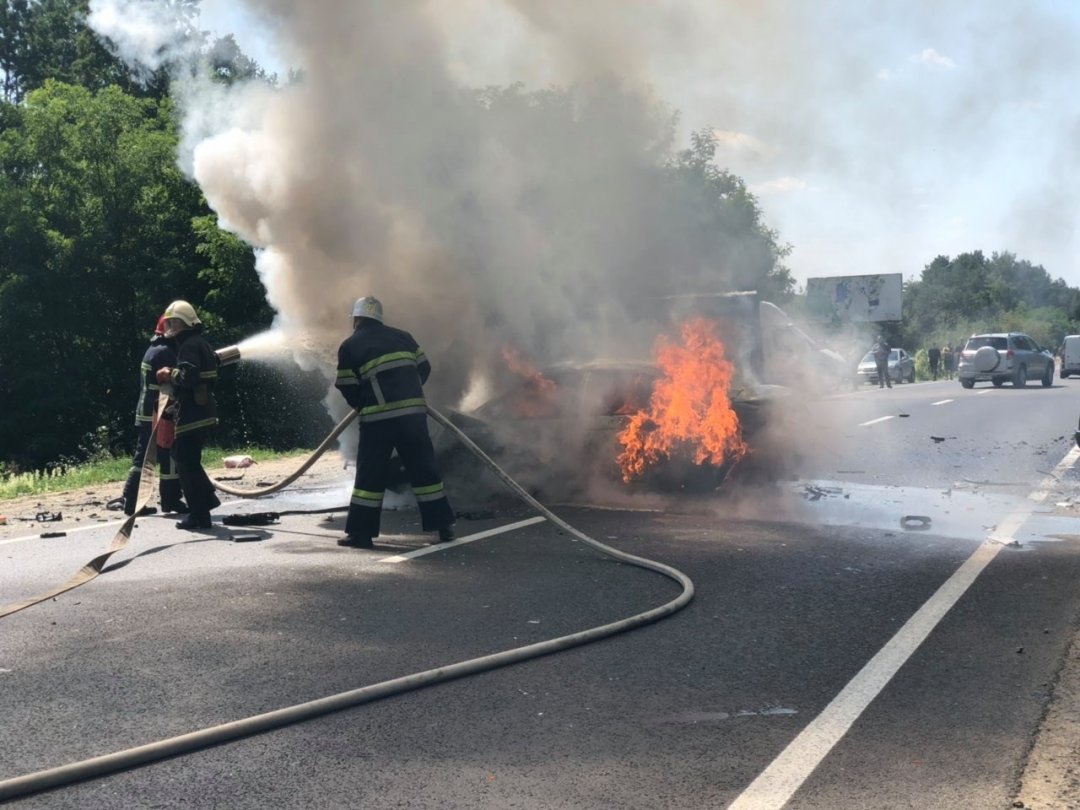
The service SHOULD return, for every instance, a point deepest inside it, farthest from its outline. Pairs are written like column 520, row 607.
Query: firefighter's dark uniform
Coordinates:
column 160, row 353
column 381, row 371
column 193, row 380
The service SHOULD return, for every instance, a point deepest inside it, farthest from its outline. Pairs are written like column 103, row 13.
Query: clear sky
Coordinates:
column 875, row 135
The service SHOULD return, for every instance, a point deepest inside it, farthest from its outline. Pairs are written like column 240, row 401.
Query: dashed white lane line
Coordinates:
column 943, row 402
column 875, row 421
column 472, row 538
column 984, row 391
column 779, row 781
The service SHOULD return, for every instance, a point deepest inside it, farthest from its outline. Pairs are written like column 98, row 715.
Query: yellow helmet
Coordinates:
column 183, row 311
column 179, row 315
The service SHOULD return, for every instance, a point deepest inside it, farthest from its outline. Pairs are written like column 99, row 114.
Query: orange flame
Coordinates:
column 690, row 407
column 538, row 394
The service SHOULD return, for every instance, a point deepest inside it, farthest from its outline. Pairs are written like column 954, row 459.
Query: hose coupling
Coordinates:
column 228, row 355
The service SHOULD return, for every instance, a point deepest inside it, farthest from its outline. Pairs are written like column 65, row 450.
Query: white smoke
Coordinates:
column 380, row 172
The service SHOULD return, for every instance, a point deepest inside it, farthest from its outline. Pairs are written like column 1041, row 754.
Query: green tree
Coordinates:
column 98, row 237
column 972, row 293
column 721, row 221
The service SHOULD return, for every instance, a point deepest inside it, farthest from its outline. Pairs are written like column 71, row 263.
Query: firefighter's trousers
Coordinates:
column 199, row 491
column 378, row 440
column 168, row 477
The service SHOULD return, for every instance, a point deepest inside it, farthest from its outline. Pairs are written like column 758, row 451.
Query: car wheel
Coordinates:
column 998, row 382
column 911, row 375
column 1020, row 380
column 1048, row 376
column 1064, row 375
column 967, row 383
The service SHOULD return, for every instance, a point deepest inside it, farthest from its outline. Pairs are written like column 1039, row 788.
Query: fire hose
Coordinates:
column 216, row 735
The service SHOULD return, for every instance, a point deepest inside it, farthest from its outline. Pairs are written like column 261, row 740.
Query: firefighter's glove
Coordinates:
column 164, row 375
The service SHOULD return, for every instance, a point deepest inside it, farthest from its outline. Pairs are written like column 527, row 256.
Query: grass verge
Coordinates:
column 110, row 470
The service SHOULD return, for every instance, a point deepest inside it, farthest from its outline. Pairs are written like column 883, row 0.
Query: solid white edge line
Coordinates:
column 471, row 538
column 943, row 402
column 775, row 785
column 875, row 421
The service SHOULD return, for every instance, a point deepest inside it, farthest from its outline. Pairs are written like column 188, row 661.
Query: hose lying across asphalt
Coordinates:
column 215, row 735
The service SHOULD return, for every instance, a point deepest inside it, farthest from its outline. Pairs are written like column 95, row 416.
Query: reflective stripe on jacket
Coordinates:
column 381, row 371
column 160, row 354
column 193, row 380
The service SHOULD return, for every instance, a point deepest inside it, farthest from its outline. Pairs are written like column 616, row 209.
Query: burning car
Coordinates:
column 683, row 420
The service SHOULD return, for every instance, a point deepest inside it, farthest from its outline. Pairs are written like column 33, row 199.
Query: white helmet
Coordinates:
column 180, row 311
column 368, row 307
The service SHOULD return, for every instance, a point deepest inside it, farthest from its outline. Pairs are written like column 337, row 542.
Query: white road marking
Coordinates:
column 875, row 421
column 985, row 391
column 471, row 538
column 778, row 782
column 37, row 536
column 943, row 402
column 77, row 529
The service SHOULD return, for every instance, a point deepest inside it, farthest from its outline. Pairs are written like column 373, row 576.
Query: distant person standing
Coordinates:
column 933, row 354
column 948, row 360
column 880, row 350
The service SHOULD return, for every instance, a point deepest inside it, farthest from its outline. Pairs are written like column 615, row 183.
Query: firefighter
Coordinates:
column 196, row 413
column 381, row 372
column 160, row 353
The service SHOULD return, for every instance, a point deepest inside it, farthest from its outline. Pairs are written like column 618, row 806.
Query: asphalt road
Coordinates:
column 831, row 657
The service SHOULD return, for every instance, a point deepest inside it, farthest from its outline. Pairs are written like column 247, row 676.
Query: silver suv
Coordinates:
column 1002, row 357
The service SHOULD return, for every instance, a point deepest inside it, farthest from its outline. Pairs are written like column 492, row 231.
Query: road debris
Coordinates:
column 47, row 535
column 915, row 522
column 48, row 517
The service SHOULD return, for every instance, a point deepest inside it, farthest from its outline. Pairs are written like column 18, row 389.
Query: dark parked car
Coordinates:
column 1001, row 357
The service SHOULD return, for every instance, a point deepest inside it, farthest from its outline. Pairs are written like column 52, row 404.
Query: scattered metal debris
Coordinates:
column 53, row 534
column 48, row 517
column 938, row 438
column 479, row 514
column 813, row 492
column 915, row 522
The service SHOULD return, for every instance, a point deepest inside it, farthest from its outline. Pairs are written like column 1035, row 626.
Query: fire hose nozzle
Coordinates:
column 228, row 355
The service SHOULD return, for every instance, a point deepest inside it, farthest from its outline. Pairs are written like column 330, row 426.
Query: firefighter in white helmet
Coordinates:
column 381, row 372
column 193, row 381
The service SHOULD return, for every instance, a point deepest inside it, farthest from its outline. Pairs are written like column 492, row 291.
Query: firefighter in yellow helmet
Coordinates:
column 193, row 381
column 381, row 372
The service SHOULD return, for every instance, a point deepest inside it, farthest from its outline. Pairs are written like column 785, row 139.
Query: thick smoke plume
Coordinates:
column 480, row 219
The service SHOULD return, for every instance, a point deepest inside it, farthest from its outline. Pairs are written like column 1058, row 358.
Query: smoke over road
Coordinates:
column 480, row 218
